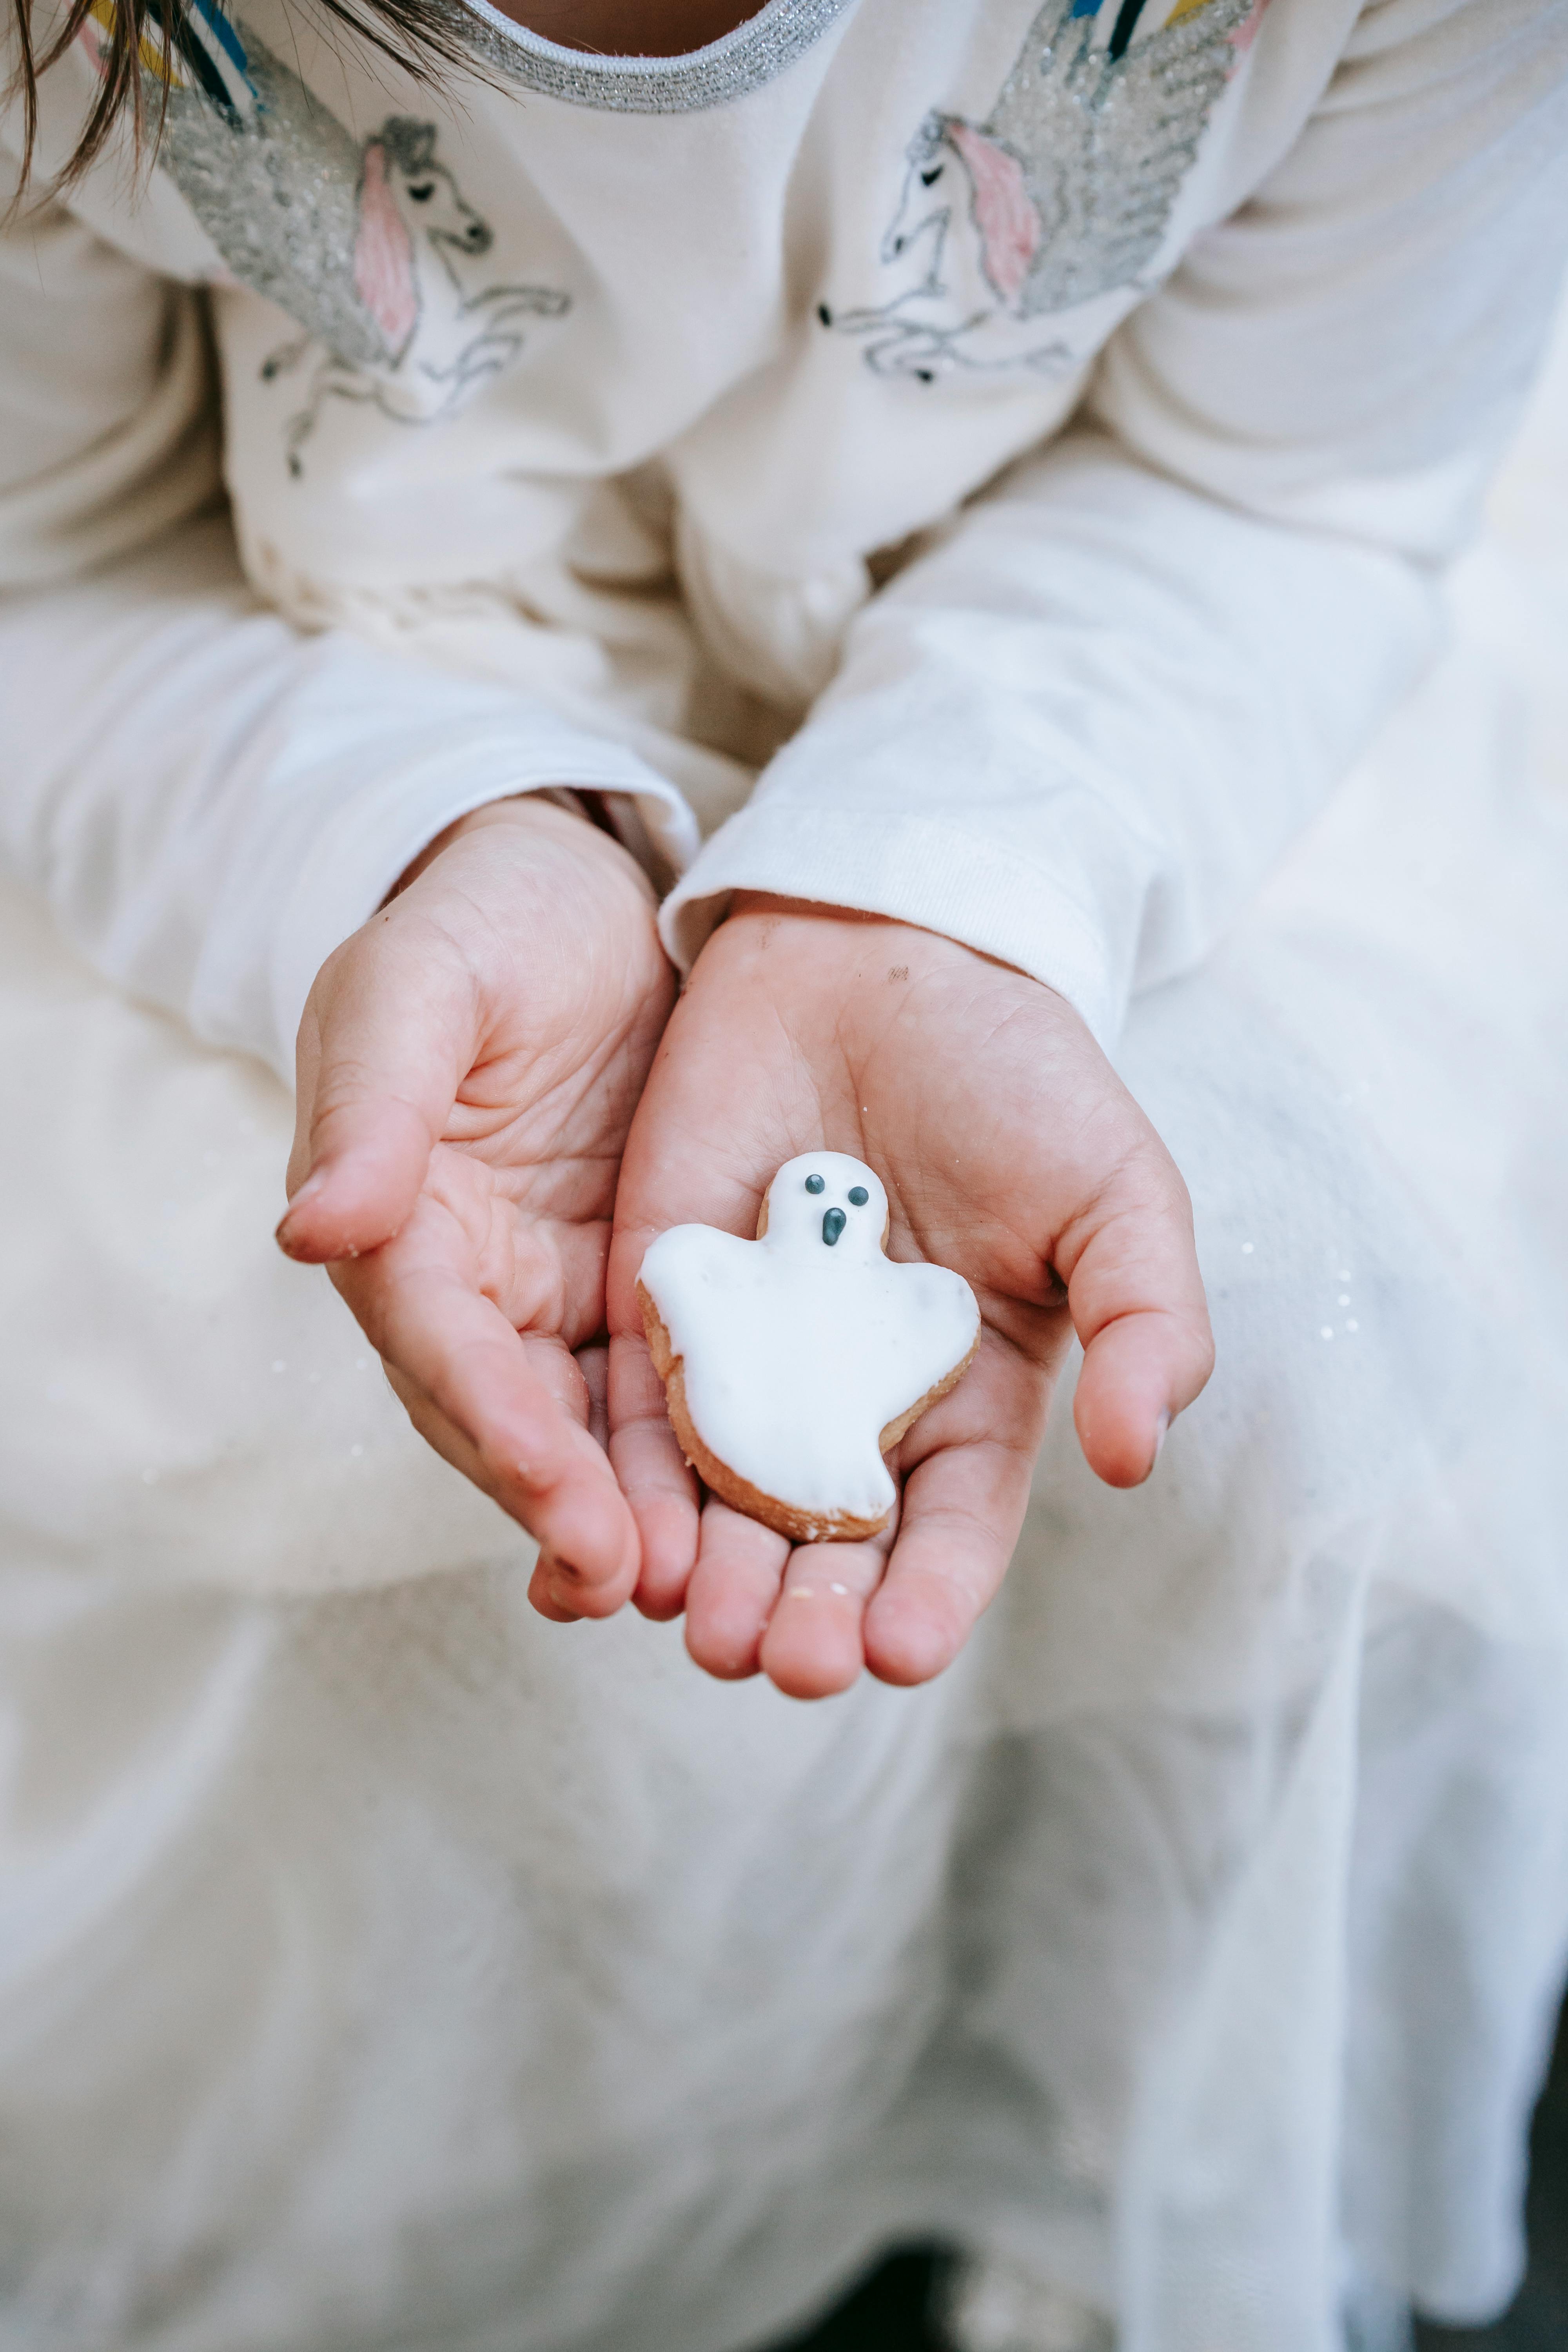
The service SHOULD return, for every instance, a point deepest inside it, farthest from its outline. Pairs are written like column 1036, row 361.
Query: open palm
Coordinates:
column 1010, row 1153
column 468, row 1066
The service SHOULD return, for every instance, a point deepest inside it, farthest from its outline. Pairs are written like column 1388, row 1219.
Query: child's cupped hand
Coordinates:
column 1012, row 1153
column 468, row 1065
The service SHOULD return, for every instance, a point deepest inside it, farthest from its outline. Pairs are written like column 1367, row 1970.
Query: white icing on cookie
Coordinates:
column 800, row 1349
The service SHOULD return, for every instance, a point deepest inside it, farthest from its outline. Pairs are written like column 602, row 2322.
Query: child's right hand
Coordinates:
column 1013, row 1153
column 468, row 1064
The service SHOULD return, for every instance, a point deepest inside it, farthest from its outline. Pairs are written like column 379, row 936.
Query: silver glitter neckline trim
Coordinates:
column 725, row 71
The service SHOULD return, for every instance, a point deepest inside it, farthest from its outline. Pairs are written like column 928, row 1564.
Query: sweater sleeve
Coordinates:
column 210, row 800
column 1076, row 731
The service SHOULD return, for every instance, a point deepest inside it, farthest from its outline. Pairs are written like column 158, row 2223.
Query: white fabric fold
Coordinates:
column 1100, row 697
column 1081, row 728
column 215, row 803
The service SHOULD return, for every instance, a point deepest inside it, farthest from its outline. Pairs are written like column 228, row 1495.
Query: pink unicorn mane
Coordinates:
column 1008, row 224
column 383, row 255
column 1245, row 32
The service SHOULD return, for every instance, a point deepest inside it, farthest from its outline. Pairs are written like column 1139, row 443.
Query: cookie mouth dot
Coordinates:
column 832, row 1223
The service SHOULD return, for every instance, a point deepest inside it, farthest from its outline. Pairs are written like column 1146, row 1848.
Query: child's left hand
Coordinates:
column 468, row 1063
column 1012, row 1153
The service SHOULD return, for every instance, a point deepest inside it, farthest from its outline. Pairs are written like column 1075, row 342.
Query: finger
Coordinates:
column 740, row 1567
column 390, row 1032
column 967, row 1467
column 944, row 1572
column 518, row 1405
column 449, row 1441
column 594, row 1363
column 663, row 1493
column 541, row 1594
column 1137, row 1302
column 813, row 1645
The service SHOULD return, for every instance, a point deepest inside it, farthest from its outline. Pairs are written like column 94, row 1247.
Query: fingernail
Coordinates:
column 311, row 1185
column 1160, row 1431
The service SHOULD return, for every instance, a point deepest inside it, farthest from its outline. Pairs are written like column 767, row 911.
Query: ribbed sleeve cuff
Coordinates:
column 916, row 870
column 369, row 838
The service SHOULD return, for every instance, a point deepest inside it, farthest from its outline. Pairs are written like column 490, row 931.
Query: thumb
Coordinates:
column 390, row 1030
column 1137, row 1302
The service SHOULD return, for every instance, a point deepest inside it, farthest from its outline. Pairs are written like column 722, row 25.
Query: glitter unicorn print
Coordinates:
column 373, row 251
column 442, row 333
column 1064, row 192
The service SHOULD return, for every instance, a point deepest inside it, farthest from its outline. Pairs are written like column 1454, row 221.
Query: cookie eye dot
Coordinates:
column 815, row 1184
column 858, row 1196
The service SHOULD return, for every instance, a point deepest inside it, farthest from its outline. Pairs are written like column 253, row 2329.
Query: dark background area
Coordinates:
column 893, row 2310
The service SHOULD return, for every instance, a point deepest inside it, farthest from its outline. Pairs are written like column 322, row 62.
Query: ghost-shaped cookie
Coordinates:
column 792, row 1364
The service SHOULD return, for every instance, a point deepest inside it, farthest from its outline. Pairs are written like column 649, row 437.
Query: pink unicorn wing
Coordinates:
column 383, row 255
column 1003, row 214
column 1246, row 33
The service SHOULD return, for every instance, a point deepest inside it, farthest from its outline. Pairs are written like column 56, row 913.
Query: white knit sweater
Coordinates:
column 1149, row 360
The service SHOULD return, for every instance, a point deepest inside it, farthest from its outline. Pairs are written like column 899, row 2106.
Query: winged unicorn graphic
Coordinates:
column 370, row 245
column 1064, row 192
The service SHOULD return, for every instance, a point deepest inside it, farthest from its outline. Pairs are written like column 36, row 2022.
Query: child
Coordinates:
column 908, row 510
